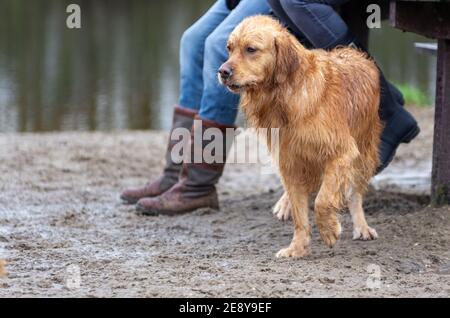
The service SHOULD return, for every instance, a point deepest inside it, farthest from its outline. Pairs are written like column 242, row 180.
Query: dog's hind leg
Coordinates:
column 361, row 230
column 302, row 230
column 283, row 209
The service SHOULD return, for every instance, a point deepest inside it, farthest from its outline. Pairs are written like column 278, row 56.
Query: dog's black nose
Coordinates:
column 225, row 71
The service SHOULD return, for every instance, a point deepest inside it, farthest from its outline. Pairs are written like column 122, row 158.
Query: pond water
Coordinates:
column 120, row 71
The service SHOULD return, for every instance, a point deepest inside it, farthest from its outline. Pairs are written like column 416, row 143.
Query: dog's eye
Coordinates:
column 251, row 49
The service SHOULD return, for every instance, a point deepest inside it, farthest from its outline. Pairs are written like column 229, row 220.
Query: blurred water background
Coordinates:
column 120, row 71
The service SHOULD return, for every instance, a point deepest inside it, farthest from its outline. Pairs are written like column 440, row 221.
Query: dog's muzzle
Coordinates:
column 225, row 72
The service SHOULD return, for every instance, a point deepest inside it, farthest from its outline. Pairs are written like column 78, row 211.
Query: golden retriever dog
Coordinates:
column 326, row 106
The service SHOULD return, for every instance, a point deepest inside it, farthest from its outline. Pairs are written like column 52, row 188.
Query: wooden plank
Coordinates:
column 424, row 0
column 441, row 154
column 429, row 18
column 428, row 48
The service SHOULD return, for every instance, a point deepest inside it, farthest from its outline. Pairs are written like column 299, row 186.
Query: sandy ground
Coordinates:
column 64, row 232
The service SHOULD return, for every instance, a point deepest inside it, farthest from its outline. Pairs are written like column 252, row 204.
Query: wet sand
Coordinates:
column 65, row 233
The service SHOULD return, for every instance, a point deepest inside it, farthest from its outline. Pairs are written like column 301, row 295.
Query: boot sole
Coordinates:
column 150, row 212
column 132, row 201
column 127, row 201
column 410, row 136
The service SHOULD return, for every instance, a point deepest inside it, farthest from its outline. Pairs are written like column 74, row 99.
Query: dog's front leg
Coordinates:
column 330, row 199
column 302, row 230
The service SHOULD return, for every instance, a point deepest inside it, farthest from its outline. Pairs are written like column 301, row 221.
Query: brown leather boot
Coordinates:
column 182, row 118
column 196, row 188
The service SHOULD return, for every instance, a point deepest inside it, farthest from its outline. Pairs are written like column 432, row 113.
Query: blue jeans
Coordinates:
column 203, row 51
column 314, row 21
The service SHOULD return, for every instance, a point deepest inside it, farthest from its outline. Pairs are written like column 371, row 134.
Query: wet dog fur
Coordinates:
column 326, row 105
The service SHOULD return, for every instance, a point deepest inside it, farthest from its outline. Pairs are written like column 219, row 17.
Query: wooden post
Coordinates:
column 441, row 154
column 432, row 19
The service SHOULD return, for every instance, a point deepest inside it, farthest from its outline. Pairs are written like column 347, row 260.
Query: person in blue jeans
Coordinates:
column 185, row 188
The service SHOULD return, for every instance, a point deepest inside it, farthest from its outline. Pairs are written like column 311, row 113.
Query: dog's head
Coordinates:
column 261, row 53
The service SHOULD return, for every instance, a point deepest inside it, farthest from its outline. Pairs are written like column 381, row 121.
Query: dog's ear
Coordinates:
column 287, row 60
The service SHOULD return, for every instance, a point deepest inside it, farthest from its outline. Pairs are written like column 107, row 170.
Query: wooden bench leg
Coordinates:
column 441, row 155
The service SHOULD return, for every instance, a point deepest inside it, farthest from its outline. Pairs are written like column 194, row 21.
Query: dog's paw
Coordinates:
column 292, row 252
column 330, row 231
column 282, row 209
column 364, row 234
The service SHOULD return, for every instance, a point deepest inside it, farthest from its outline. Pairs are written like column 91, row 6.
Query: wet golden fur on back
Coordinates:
column 326, row 106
